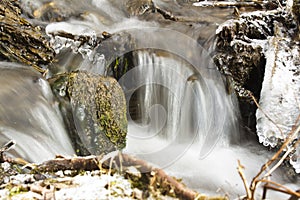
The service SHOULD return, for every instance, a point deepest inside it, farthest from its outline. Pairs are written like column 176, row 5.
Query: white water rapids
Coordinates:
column 186, row 122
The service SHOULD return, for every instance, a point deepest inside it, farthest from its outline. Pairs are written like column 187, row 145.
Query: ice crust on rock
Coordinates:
column 280, row 95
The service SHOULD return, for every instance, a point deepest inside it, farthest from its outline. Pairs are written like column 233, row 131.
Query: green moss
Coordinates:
column 17, row 189
column 99, row 109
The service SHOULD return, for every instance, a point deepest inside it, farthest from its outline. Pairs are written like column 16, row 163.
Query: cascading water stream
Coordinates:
column 188, row 110
column 193, row 134
column 183, row 119
column 192, row 129
column 29, row 115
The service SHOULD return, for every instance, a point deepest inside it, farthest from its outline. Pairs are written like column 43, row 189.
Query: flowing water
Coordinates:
column 181, row 117
column 29, row 116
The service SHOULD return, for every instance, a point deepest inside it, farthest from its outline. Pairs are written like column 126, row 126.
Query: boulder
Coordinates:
column 94, row 108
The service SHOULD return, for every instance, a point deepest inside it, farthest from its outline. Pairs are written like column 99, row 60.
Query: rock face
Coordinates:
column 100, row 109
column 94, row 108
column 19, row 40
column 280, row 95
column 241, row 54
column 259, row 53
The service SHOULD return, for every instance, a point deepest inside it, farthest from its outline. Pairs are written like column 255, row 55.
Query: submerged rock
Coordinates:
column 105, row 53
column 47, row 11
column 94, row 107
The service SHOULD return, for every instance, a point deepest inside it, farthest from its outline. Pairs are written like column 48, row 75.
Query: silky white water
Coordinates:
column 29, row 115
column 190, row 128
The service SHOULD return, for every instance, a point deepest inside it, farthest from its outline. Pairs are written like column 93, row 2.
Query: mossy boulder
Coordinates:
column 94, row 109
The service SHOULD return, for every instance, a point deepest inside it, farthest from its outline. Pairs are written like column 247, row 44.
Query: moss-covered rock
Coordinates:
column 95, row 109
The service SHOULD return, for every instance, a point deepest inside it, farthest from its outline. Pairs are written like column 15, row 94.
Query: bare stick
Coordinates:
column 77, row 163
column 256, row 180
column 281, row 188
column 240, row 169
column 229, row 4
column 278, row 163
column 90, row 163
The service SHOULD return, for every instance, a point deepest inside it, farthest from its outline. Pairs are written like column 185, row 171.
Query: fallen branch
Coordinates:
column 169, row 16
column 256, row 180
column 90, row 163
column 240, row 169
column 226, row 4
column 287, row 147
column 280, row 188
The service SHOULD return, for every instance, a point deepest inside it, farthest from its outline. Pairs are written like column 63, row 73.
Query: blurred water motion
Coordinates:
column 29, row 115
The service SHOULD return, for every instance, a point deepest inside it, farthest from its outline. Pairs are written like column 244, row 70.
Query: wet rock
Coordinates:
column 48, row 11
column 20, row 41
column 241, row 54
column 118, row 52
column 53, row 10
column 105, row 53
column 95, row 110
column 259, row 53
column 139, row 7
column 280, row 96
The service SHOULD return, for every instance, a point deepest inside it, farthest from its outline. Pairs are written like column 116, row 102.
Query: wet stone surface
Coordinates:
column 20, row 41
column 98, row 111
column 241, row 56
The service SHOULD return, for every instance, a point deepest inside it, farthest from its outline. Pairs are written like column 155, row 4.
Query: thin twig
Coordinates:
column 242, row 175
column 288, row 140
column 256, row 180
column 281, row 188
column 278, row 163
column 7, row 146
column 229, row 4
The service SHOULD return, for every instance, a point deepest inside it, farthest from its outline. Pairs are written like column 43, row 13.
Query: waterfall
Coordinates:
column 30, row 116
column 181, row 118
column 185, row 122
column 177, row 106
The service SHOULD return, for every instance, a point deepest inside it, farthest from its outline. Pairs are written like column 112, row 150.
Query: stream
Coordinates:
column 181, row 116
